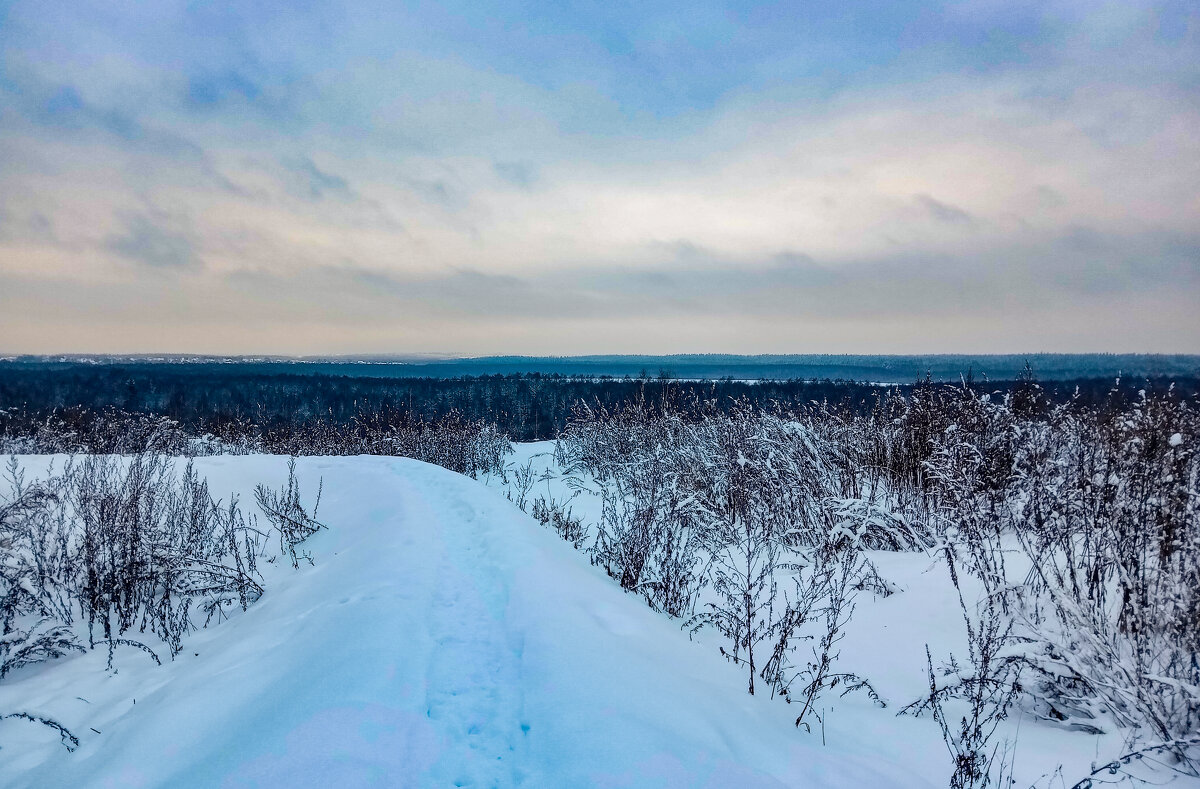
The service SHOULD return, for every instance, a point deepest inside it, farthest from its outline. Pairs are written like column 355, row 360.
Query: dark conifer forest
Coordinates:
column 276, row 402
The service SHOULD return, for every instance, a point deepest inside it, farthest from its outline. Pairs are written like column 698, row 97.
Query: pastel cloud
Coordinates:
column 982, row 176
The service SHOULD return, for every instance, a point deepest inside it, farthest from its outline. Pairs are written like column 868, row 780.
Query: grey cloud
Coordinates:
column 1048, row 198
column 484, row 279
column 438, row 192
column 312, row 182
column 1049, row 294
column 1046, row 276
column 148, row 241
column 1043, row 275
column 793, row 258
column 39, row 121
column 61, row 108
column 33, row 227
column 522, row 174
column 944, row 212
column 210, row 90
column 371, row 280
column 1088, row 261
column 353, row 288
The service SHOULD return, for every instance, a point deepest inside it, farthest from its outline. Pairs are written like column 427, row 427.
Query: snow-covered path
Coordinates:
column 442, row 639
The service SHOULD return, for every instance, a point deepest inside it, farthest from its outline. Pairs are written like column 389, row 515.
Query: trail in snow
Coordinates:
column 442, row 639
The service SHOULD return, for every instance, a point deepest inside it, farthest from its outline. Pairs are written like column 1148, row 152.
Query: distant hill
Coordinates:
column 880, row 369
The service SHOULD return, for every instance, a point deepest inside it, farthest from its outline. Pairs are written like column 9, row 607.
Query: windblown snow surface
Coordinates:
column 444, row 638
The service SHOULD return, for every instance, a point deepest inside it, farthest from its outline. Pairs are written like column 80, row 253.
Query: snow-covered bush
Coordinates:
column 989, row 682
column 468, row 446
column 72, row 430
column 1100, row 505
column 1075, row 529
column 288, row 515
column 126, row 553
column 648, row 536
column 1109, row 520
column 117, row 547
column 558, row 515
column 707, row 505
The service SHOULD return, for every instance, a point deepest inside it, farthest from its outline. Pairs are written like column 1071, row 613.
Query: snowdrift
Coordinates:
column 443, row 638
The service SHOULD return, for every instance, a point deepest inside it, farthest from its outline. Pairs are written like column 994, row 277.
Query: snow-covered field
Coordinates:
column 885, row 642
column 445, row 638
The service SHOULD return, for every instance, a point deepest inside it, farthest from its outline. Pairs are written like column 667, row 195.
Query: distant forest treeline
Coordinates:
column 208, row 397
column 887, row 369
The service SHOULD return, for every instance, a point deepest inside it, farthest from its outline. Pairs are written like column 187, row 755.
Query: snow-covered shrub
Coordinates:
column 1110, row 524
column 108, row 551
column 119, row 546
column 69, row 740
column 871, row 525
column 724, row 500
column 816, row 613
column 558, row 515
column 108, row 431
column 289, row 517
column 988, row 684
column 523, row 479
column 742, row 573
column 468, row 446
column 1075, row 528
column 1101, row 506
column 41, row 640
column 648, row 536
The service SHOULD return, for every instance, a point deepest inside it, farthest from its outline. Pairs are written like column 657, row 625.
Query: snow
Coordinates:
column 885, row 642
column 443, row 638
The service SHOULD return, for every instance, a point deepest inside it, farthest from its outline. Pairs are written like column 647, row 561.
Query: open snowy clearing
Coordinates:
column 443, row 638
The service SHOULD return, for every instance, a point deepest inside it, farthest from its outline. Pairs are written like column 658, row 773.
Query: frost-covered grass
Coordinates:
column 1060, row 553
column 885, row 642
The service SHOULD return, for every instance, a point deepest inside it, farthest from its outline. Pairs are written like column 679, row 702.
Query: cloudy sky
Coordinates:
column 555, row 177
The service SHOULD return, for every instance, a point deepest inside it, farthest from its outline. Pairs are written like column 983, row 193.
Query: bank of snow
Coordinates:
column 442, row 639
column 885, row 642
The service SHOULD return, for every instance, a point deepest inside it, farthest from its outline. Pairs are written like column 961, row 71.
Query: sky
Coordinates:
column 601, row 177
